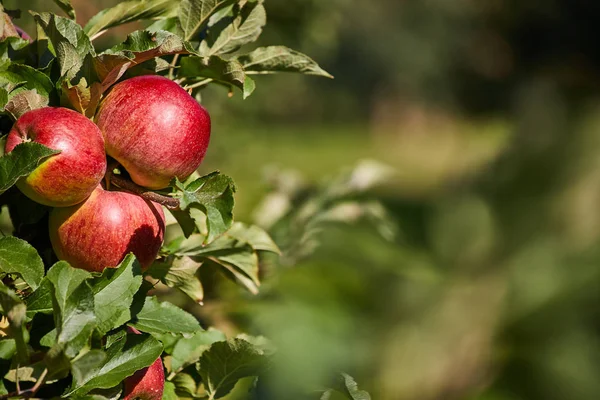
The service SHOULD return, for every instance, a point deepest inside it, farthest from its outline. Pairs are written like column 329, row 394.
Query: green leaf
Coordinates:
column 228, row 35
column 225, row 363
column 213, row 195
column 113, row 294
column 275, row 59
column 21, row 161
column 170, row 24
column 156, row 317
column 352, row 389
column 16, row 78
column 123, row 358
column 256, row 237
column 188, row 350
column 49, row 339
column 40, row 301
column 185, row 386
column 140, row 46
column 128, row 11
column 347, row 387
column 70, row 43
column 66, row 6
column 236, row 251
column 169, row 392
column 8, row 348
column 14, row 310
column 217, row 69
column 10, row 51
column 73, row 302
column 19, row 257
column 180, row 273
column 194, row 14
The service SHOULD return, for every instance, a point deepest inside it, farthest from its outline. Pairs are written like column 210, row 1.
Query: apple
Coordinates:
column 147, row 383
column 154, row 129
column 72, row 175
column 102, row 230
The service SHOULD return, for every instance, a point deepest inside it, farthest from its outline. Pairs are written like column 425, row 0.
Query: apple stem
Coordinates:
column 127, row 185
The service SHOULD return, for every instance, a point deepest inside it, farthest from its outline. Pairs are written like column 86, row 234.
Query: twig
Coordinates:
column 41, row 380
column 172, row 66
column 198, row 84
column 98, row 34
column 28, row 393
column 127, row 185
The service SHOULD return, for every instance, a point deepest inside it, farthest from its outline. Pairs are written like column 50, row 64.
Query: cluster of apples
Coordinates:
column 153, row 128
column 156, row 131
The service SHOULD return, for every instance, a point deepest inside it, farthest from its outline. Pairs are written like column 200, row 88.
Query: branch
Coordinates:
column 129, row 186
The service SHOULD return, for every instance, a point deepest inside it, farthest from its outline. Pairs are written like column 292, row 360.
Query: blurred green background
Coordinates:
column 462, row 260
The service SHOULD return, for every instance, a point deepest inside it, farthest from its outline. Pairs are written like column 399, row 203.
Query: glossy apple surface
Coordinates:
column 101, row 231
column 155, row 129
column 72, row 175
column 147, row 383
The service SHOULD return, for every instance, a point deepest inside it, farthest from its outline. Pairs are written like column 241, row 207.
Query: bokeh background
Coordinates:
column 437, row 203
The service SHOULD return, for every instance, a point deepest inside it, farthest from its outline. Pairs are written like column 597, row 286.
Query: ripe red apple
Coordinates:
column 101, row 231
column 155, row 129
column 147, row 383
column 71, row 176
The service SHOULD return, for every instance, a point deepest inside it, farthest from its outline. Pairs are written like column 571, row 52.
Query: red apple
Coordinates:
column 72, row 175
column 101, row 231
column 155, row 129
column 147, row 383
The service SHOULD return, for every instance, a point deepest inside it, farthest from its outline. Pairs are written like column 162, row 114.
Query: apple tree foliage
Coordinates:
column 63, row 331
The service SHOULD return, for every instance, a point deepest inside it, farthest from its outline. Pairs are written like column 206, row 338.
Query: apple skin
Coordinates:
column 147, row 383
column 72, row 175
column 101, row 231
column 155, row 129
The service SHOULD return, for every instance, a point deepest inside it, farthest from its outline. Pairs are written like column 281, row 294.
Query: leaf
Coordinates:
column 140, row 46
column 113, row 294
column 185, row 386
column 70, row 43
column 73, row 302
column 19, row 257
column 352, row 389
column 228, row 35
column 83, row 97
column 16, row 78
column 170, row 24
column 21, row 161
column 225, row 363
column 40, row 301
column 49, row 339
column 236, row 251
column 188, row 350
column 25, row 101
column 66, row 6
column 347, row 387
column 7, row 28
column 9, row 48
column 227, row 72
column 180, row 273
column 275, row 59
column 128, row 11
column 122, row 360
column 194, row 14
column 156, row 317
column 14, row 310
column 256, row 237
column 213, row 195
column 169, row 392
